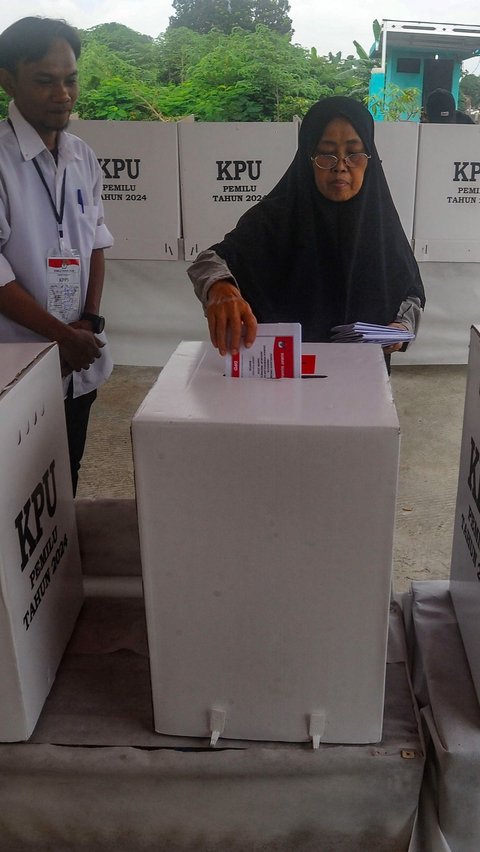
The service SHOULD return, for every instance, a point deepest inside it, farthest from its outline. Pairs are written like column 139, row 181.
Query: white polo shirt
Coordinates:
column 28, row 228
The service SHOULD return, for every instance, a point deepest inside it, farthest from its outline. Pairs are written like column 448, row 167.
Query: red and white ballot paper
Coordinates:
column 275, row 354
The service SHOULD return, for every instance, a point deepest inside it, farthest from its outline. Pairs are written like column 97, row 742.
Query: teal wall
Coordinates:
column 379, row 81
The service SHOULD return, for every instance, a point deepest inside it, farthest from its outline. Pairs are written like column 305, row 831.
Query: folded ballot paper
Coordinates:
column 364, row 332
column 275, row 354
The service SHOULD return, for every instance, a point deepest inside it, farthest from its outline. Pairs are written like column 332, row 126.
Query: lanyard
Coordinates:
column 57, row 213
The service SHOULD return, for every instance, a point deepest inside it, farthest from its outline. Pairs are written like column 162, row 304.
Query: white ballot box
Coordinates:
column 465, row 567
column 266, row 515
column 40, row 577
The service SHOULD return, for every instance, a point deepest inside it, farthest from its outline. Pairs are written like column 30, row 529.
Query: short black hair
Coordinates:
column 29, row 39
column 440, row 107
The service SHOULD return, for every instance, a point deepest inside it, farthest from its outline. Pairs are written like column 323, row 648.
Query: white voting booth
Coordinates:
column 139, row 162
column 40, row 579
column 445, row 644
column 170, row 190
column 465, row 568
column 447, row 220
column 397, row 146
column 266, row 513
column 149, row 304
column 240, row 163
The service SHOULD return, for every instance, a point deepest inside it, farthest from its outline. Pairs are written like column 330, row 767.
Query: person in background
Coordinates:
column 440, row 107
column 463, row 117
column 325, row 247
column 52, row 230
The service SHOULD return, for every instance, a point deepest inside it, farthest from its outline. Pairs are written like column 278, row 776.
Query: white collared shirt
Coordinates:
column 28, row 228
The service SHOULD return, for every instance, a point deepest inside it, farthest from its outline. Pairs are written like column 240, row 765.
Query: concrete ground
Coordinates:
column 429, row 402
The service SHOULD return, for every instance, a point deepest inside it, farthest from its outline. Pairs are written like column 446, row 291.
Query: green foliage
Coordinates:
column 395, row 104
column 244, row 75
column 362, row 53
column 470, row 91
column 179, row 49
column 377, row 30
column 261, row 76
column 4, row 99
column 120, row 100
column 247, row 74
column 363, row 64
column 227, row 15
column 274, row 15
column 251, row 73
column 133, row 47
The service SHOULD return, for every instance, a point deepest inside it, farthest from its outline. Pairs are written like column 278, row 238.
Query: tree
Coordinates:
column 274, row 15
column 131, row 46
column 248, row 75
column 112, row 88
column 201, row 16
column 244, row 75
column 363, row 54
column 254, row 75
column 118, row 99
column 363, row 64
column 470, row 91
column 226, row 15
column 395, row 104
column 179, row 49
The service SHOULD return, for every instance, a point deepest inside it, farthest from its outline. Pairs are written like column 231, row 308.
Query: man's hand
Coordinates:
column 78, row 347
column 77, row 344
column 230, row 318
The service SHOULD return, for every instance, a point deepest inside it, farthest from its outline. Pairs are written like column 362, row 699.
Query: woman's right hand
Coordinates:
column 230, row 318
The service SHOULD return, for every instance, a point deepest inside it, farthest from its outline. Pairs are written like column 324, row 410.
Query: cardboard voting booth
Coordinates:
column 465, row 567
column 447, row 204
column 40, row 579
column 266, row 515
column 139, row 163
column 240, row 163
column 397, row 145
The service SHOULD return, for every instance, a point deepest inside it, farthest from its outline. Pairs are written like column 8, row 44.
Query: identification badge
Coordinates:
column 63, row 285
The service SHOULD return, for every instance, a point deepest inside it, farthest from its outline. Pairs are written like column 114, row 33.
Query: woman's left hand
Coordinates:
column 395, row 346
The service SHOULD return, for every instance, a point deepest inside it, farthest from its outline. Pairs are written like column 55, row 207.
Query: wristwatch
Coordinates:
column 97, row 322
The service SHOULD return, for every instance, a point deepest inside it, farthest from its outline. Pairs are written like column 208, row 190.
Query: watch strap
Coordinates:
column 97, row 321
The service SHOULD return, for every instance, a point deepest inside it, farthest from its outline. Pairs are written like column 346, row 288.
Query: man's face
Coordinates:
column 45, row 91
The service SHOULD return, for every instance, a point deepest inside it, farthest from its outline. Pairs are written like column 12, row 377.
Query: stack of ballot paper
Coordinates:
column 365, row 332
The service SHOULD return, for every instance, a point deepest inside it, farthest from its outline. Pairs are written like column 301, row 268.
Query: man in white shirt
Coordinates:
column 52, row 232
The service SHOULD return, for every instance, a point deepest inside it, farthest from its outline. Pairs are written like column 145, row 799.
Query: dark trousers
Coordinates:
column 77, row 412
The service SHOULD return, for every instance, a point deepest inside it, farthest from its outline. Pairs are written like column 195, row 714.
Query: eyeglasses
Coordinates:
column 329, row 161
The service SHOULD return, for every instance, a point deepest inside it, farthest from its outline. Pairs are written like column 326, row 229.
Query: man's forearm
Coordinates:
column 95, row 282
column 21, row 307
column 78, row 347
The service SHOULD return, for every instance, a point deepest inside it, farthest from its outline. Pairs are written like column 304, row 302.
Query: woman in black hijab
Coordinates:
column 325, row 247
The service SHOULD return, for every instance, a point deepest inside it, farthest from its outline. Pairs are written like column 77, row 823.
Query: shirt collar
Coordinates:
column 30, row 143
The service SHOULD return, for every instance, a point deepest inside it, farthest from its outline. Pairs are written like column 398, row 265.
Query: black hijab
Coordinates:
column 298, row 257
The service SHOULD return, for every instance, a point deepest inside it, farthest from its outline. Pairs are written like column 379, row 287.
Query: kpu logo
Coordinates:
column 466, row 170
column 113, row 169
column 29, row 521
column 237, row 169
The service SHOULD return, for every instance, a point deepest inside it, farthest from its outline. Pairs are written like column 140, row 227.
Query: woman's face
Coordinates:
column 342, row 182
